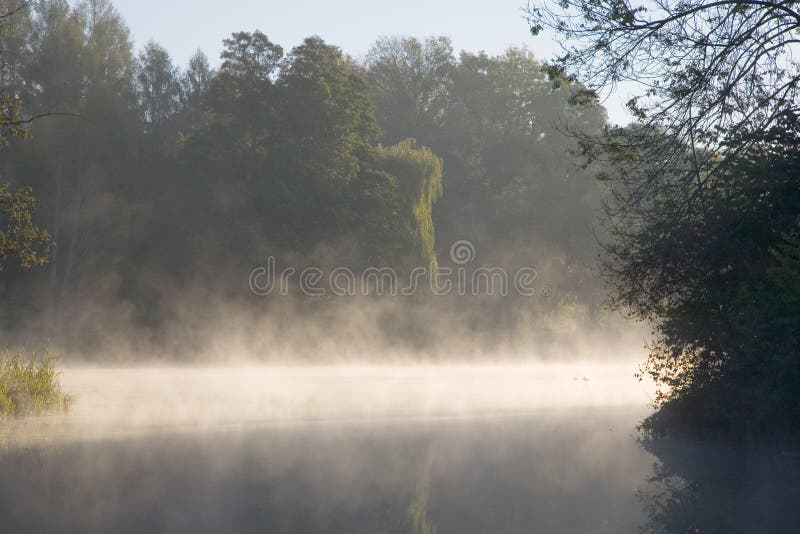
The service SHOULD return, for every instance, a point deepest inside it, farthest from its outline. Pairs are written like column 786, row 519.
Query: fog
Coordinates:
column 145, row 400
column 519, row 446
column 456, row 447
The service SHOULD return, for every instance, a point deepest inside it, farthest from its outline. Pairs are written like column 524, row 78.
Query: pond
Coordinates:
column 362, row 448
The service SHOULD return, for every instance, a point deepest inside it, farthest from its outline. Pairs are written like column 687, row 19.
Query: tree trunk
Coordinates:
column 76, row 219
column 55, row 315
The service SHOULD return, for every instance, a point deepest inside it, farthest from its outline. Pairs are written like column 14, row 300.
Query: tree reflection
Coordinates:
column 701, row 487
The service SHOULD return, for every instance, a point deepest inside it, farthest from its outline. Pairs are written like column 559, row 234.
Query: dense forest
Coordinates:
column 163, row 186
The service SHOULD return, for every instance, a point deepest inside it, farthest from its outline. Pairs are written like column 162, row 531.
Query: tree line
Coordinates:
column 160, row 179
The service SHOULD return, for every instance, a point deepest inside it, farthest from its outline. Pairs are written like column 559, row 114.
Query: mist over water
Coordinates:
column 501, row 444
column 459, row 447
column 121, row 401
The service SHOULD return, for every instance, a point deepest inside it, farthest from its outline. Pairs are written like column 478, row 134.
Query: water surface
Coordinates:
column 404, row 448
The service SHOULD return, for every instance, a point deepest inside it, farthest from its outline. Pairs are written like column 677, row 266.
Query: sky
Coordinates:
column 183, row 26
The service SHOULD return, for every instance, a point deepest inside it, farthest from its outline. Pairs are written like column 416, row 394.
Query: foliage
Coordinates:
column 174, row 177
column 707, row 71
column 404, row 183
column 411, row 84
column 157, row 84
column 19, row 237
column 11, row 123
column 29, row 386
column 720, row 284
column 786, row 278
column 512, row 184
column 704, row 186
column 12, row 25
column 293, row 132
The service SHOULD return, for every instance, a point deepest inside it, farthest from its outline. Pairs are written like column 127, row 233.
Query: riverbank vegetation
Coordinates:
column 30, row 385
column 702, row 230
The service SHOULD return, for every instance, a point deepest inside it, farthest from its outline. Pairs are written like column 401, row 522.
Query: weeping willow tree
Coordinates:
column 419, row 174
column 408, row 182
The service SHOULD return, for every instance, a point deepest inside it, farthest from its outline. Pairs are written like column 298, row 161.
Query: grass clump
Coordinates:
column 30, row 386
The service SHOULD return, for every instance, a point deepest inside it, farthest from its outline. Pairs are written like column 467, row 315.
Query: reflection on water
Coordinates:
column 699, row 487
column 405, row 449
column 545, row 473
column 423, row 449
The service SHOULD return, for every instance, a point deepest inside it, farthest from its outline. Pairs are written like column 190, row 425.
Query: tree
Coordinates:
column 16, row 24
column 325, row 92
column 327, row 129
column 56, row 68
column 704, row 185
column 511, row 184
column 410, row 82
column 196, row 79
column 243, row 95
column 250, row 56
column 108, row 53
column 20, row 238
column 80, row 167
column 157, row 85
column 709, row 70
column 708, row 73
column 282, row 142
column 395, row 195
column 786, row 276
column 718, row 285
column 14, row 20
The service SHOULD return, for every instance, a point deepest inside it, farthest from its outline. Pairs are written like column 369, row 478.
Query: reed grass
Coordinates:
column 30, row 385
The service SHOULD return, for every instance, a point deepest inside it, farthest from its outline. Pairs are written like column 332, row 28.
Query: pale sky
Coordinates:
column 183, row 26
